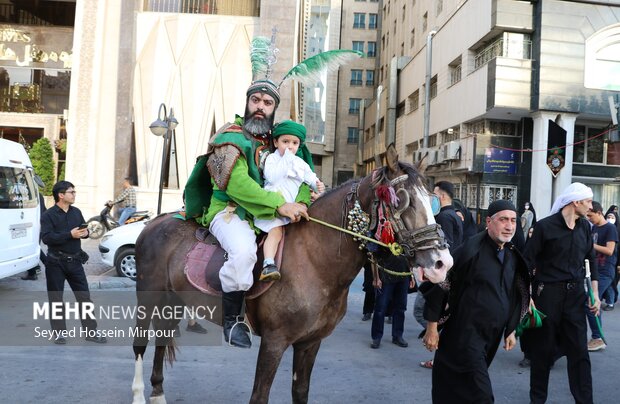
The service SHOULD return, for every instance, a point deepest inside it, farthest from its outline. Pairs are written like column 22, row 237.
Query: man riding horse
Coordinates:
column 225, row 192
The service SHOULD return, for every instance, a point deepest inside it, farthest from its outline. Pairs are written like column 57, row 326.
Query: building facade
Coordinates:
column 359, row 30
column 512, row 98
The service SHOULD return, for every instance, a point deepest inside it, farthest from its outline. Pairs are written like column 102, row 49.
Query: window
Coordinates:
column 455, row 71
column 358, row 46
column 590, row 148
column 394, row 30
column 439, row 7
column 359, row 20
column 356, row 77
column 404, row 11
column 434, row 87
column 372, row 49
column 372, row 21
column 352, row 135
column 354, row 105
column 425, row 22
column 412, row 40
column 17, row 189
column 370, row 77
column 413, row 101
column 402, row 49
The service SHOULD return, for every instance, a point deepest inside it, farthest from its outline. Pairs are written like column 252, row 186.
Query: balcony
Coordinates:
column 249, row 8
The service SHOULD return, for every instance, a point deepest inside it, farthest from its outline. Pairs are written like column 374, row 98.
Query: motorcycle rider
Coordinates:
column 128, row 197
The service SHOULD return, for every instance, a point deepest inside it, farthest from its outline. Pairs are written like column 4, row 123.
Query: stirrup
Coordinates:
column 239, row 320
column 272, row 274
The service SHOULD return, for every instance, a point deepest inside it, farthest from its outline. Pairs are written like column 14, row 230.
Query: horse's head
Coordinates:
column 402, row 190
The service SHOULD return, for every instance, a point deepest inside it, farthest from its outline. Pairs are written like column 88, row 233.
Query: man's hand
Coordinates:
column 294, row 211
column 376, row 283
column 77, row 233
column 595, row 308
column 532, row 306
column 510, row 341
column 431, row 336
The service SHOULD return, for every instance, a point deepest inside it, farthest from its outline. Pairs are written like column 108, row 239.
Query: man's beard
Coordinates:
column 258, row 126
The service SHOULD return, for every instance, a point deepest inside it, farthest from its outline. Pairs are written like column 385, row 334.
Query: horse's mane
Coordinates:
column 414, row 179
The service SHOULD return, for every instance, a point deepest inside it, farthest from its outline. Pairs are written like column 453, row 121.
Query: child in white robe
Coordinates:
column 284, row 172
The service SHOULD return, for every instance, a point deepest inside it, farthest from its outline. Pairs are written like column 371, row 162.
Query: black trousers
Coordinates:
column 369, row 295
column 56, row 272
column 564, row 304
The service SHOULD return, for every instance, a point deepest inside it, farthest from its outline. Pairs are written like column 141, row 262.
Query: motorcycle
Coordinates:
column 99, row 225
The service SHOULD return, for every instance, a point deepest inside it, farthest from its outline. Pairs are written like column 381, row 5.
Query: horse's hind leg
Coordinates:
column 303, row 362
column 269, row 356
column 157, row 376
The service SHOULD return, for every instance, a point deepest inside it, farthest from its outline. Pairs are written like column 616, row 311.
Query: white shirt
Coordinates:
column 285, row 174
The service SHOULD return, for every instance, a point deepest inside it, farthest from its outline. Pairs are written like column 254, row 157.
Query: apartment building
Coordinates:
column 357, row 81
column 518, row 102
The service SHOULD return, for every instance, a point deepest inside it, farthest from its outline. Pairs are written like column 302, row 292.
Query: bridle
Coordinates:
column 389, row 211
column 412, row 241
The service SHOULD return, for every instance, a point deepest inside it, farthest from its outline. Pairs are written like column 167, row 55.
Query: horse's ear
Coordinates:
column 422, row 164
column 392, row 158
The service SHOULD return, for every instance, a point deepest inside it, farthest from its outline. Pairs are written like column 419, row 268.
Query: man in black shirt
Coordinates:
column 60, row 230
column 487, row 293
column 451, row 224
column 556, row 253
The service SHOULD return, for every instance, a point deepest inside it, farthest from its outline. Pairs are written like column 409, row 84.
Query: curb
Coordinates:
column 96, row 282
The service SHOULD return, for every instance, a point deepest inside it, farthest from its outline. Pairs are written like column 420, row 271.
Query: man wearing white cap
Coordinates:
column 556, row 253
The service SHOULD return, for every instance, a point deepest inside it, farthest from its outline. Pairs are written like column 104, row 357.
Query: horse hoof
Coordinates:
column 158, row 399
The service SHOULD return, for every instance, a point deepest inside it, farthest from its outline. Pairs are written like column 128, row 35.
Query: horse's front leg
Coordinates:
column 269, row 356
column 303, row 362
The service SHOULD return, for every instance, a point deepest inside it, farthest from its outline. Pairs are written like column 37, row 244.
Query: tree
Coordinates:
column 42, row 157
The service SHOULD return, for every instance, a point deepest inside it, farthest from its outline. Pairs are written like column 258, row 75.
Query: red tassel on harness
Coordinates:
column 385, row 232
column 383, row 193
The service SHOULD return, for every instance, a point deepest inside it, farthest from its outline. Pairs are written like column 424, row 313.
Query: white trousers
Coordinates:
column 239, row 241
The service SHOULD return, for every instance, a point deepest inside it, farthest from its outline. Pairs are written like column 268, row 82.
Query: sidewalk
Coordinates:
column 99, row 275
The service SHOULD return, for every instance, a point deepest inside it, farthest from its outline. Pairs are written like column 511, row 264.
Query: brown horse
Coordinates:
column 319, row 264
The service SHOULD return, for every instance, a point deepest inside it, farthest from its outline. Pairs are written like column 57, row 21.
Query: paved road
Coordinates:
column 346, row 370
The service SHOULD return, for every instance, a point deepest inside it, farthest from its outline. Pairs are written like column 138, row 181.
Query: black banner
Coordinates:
column 556, row 148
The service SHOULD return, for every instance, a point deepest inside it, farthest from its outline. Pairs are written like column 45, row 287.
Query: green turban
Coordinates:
column 298, row 130
column 290, row 128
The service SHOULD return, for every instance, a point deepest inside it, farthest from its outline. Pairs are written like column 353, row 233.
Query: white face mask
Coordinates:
column 611, row 220
column 527, row 206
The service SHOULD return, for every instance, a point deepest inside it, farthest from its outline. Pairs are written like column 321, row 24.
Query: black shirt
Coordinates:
column 56, row 226
column 558, row 252
column 452, row 226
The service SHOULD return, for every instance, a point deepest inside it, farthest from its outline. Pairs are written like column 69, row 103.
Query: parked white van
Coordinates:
column 20, row 215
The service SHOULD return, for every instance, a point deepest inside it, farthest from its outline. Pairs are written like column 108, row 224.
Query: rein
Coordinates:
column 394, row 247
column 409, row 241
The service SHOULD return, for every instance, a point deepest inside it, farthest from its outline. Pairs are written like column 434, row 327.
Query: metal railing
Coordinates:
column 249, row 8
column 499, row 48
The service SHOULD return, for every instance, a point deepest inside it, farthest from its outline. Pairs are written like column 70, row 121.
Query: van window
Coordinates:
column 17, row 188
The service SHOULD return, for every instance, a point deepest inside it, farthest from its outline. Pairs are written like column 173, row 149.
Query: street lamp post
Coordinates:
column 163, row 127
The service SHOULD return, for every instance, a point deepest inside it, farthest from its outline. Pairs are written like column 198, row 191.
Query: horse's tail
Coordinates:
column 170, row 354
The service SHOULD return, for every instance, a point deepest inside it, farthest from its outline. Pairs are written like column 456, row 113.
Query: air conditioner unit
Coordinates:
column 450, row 151
column 433, row 157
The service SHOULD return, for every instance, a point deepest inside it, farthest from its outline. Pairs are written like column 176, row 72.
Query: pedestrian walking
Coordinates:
column 556, row 253
column 486, row 294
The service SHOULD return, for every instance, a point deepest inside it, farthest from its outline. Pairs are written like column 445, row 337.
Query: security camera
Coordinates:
column 450, row 131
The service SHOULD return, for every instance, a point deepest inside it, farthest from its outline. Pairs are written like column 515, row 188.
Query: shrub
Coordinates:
column 42, row 157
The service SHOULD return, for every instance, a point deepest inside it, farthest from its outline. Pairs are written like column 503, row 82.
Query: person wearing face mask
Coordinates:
column 528, row 218
column 613, row 218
